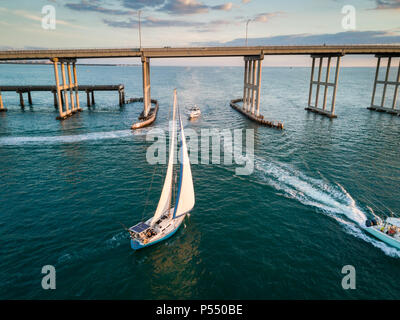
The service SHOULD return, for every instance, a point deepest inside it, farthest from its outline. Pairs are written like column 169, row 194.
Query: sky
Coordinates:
column 177, row 23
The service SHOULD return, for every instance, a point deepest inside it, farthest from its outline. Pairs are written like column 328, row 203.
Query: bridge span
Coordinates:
column 323, row 57
column 187, row 52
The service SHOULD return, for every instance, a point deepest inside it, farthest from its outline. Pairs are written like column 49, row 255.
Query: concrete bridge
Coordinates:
column 253, row 57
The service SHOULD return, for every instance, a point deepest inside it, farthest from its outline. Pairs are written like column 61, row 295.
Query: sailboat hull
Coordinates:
column 136, row 244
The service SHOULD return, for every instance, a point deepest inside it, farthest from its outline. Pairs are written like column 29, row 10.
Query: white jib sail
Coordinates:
column 185, row 197
column 165, row 199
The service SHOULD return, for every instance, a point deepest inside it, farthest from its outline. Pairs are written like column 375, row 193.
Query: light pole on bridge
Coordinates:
column 140, row 31
column 247, row 24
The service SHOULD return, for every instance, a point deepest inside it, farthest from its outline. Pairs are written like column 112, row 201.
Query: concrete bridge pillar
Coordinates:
column 121, row 96
column 55, row 99
column 65, row 88
column 90, row 97
column 62, row 89
column 71, row 86
column 146, row 86
column 30, row 98
column 386, row 82
column 2, row 109
column 21, row 99
column 251, row 92
column 78, row 108
column 252, row 84
column 61, row 112
column 315, row 108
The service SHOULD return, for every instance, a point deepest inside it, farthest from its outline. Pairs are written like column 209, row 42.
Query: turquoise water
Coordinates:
column 283, row 232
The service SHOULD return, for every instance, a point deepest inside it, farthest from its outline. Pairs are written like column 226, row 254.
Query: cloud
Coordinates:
column 387, row 4
column 349, row 37
column 261, row 17
column 168, row 6
column 151, row 22
column 27, row 15
column 224, row 7
column 265, row 17
column 210, row 26
column 246, row 1
column 140, row 4
column 213, row 26
column 176, row 7
column 184, row 7
column 94, row 6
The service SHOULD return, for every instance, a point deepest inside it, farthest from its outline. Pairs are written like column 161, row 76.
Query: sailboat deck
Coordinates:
column 140, row 227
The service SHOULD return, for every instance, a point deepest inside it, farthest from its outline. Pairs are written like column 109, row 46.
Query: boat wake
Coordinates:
column 120, row 238
column 92, row 136
column 332, row 200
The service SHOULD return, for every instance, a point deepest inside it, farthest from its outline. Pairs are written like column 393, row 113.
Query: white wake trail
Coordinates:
column 334, row 201
column 117, row 134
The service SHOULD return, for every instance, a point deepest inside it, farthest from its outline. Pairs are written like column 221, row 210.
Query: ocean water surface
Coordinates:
column 283, row 232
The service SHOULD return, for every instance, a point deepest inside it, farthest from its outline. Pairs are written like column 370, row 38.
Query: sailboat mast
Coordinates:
column 172, row 151
column 185, row 195
column 164, row 204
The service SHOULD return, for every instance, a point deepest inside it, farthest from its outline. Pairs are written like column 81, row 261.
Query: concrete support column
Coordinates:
column 55, row 99
column 29, row 98
column 92, row 94
column 335, row 86
column 249, row 90
column 321, row 61
column 311, row 81
column 78, row 108
column 88, row 98
column 70, row 87
column 64, row 88
column 258, row 87
column 386, row 82
column 315, row 108
column 146, row 86
column 328, row 68
column 120, row 98
column 21, row 100
column 396, row 89
column 375, row 82
column 252, row 84
column 2, row 109
column 121, row 95
column 61, row 112
column 246, row 69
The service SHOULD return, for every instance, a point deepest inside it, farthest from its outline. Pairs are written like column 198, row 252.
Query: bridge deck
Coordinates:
column 168, row 52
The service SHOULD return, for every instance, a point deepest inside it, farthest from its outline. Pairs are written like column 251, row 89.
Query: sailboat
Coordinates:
column 168, row 217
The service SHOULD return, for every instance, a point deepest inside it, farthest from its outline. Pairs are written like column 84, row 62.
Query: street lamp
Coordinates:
column 247, row 24
column 140, row 31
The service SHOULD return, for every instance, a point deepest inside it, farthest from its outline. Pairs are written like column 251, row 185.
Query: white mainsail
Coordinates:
column 165, row 200
column 185, row 198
